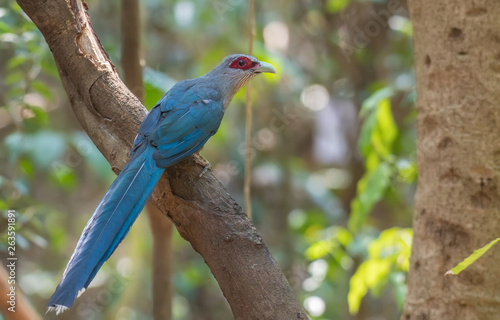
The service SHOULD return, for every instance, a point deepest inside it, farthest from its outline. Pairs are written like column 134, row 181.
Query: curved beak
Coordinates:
column 264, row 67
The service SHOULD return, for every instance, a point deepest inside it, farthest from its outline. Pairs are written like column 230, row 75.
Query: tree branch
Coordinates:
column 202, row 210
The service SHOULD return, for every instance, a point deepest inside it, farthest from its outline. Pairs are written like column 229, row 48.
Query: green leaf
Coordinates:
column 379, row 130
column 339, row 237
column 4, row 27
column 392, row 243
column 14, row 78
column 320, row 249
column 365, row 142
column 370, row 189
column 63, row 176
column 385, row 131
column 27, row 167
column 43, row 89
column 472, row 258
column 3, row 204
column 376, row 141
column 387, row 255
column 335, row 6
column 407, row 171
column 372, row 101
column 39, row 120
column 17, row 60
column 370, row 274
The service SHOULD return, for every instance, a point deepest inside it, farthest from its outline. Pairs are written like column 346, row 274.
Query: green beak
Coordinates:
column 264, row 67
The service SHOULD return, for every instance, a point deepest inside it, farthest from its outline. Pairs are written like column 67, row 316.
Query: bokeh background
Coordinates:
column 334, row 168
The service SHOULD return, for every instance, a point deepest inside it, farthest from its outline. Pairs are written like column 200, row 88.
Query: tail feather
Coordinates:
column 107, row 227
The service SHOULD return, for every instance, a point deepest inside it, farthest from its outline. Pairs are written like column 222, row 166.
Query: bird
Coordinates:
column 178, row 125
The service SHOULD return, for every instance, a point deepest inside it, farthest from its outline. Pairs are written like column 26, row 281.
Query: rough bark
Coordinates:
column 201, row 209
column 457, row 60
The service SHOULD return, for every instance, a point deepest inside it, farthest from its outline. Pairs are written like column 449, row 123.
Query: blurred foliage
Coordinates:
column 388, row 260
column 334, row 153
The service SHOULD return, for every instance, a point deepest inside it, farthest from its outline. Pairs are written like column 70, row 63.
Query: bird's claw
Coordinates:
column 203, row 162
column 205, row 169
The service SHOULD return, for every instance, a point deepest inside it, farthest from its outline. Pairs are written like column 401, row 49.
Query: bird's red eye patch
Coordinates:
column 242, row 63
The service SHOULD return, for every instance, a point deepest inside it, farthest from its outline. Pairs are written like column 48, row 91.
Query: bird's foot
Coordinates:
column 205, row 169
column 198, row 158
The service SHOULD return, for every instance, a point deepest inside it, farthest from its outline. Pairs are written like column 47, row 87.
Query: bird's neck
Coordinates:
column 231, row 86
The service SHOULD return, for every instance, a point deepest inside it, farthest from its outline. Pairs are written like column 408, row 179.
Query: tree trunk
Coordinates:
column 457, row 60
column 201, row 209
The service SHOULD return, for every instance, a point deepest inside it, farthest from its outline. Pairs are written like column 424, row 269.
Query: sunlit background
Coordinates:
column 333, row 169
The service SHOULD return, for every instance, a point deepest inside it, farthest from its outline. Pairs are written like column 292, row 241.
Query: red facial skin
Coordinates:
column 247, row 65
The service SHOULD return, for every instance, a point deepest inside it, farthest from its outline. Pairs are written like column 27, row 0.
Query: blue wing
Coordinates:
column 181, row 123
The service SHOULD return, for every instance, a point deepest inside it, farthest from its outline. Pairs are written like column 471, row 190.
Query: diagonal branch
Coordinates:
column 201, row 209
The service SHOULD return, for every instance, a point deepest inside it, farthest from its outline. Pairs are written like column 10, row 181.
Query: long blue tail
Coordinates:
column 107, row 227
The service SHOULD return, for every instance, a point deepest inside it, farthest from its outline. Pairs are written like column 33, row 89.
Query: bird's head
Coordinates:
column 235, row 71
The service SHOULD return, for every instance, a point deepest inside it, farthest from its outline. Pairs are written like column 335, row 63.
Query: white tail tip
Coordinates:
column 57, row 309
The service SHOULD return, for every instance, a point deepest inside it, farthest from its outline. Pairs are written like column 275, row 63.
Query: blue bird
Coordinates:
column 176, row 127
